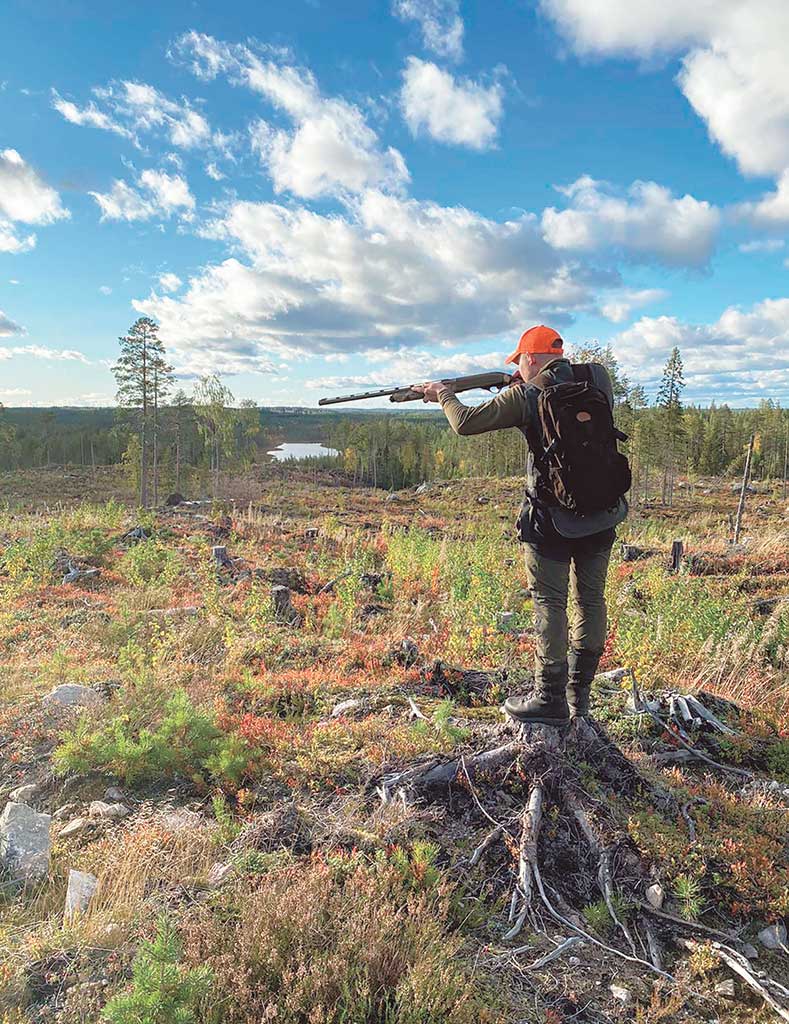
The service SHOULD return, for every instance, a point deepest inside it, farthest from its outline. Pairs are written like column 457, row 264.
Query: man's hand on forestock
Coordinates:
column 429, row 391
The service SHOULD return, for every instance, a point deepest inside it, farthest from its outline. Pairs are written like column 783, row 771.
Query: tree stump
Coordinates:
column 284, row 612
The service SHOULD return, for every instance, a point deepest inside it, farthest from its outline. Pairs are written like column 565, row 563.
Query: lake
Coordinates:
column 301, row 450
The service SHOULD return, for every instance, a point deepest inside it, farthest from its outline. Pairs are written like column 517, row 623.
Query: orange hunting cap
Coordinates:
column 538, row 340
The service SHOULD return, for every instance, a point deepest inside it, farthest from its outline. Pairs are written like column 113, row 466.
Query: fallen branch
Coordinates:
column 655, row 952
column 644, row 708
column 484, row 846
column 692, row 926
column 564, row 947
column 738, row 963
column 415, row 712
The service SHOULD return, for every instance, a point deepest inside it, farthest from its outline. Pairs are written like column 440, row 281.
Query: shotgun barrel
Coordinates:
column 492, row 381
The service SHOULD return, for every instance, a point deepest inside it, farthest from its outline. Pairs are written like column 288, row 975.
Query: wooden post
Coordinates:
column 676, row 555
column 746, row 475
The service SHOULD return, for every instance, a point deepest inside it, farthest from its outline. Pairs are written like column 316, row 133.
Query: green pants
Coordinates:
column 550, row 581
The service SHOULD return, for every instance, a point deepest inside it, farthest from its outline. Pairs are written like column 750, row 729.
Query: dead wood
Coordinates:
column 773, row 993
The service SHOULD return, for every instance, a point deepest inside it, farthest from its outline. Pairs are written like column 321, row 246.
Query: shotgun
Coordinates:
column 493, row 381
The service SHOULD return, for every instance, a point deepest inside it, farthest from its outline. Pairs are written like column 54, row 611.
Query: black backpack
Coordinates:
column 575, row 449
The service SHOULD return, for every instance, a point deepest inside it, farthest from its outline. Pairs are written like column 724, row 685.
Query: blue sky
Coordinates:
column 312, row 197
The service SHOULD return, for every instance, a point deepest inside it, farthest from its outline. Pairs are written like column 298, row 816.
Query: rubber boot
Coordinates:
column 549, row 704
column 582, row 670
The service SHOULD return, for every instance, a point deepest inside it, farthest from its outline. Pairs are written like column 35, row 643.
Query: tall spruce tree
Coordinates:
column 669, row 401
column 142, row 376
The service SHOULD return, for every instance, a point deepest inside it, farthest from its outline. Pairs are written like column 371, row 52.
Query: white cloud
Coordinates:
column 170, row 191
column 330, row 148
column 170, row 282
column 772, row 210
column 762, row 245
column 744, row 354
column 213, row 172
column 132, row 108
column 9, row 327
column 42, row 352
column 412, row 367
column 162, row 195
column 105, row 289
column 450, row 110
column 647, row 223
column 11, row 242
column 389, row 273
column 733, row 64
column 89, row 115
column 15, row 392
column 440, row 23
column 24, row 198
column 618, row 307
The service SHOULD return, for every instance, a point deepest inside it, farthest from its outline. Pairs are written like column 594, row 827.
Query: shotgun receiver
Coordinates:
column 493, row 381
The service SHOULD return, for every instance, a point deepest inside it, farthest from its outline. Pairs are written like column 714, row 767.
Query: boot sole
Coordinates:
column 536, row 720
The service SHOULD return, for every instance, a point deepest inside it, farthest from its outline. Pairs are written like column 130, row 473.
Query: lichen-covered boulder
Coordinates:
column 69, row 696
column 24, row 842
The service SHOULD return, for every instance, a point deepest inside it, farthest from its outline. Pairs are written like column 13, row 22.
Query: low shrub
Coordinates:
column 184, row 742
column 342, row 939
column 150, row 562
column 163, row 991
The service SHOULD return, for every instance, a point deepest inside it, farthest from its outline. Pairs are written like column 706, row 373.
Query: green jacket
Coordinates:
column 517, row 407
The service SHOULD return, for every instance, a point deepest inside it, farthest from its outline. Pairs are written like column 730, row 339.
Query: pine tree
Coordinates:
column 669, row 401
column 142, row 375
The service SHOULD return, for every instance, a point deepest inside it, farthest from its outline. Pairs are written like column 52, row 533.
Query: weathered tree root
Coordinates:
column 528, row 865
column 569, row 846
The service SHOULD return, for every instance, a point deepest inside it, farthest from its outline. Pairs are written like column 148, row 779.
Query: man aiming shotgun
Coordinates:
column 576, row 481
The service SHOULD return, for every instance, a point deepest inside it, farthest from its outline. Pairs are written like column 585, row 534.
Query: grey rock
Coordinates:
column 75, row 828
column 24, row 842
column 80, row 891
column 622, row 995
column 114, row 812
column 344, row 707
column 774, row 936
column 24, row 794
column 656, row 895
column 71, row 695
column 182, row 818
column 114, row 795
column 392, row 496
column 750, row 951
column 726, row 988
column 63, row 812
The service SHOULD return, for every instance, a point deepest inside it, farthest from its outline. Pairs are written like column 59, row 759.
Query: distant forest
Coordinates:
column 168, row 440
